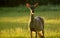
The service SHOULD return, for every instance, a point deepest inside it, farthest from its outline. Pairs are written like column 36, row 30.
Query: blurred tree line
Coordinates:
column 23, row 2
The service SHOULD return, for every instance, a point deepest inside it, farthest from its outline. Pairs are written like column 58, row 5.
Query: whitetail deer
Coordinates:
column 36, row 23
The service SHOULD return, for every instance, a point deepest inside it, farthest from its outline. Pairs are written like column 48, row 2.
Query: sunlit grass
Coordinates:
column 53, row 21
column 52, row 34
column 17, row 32
column 26, row 20
column 13, row 32
column 20, row 30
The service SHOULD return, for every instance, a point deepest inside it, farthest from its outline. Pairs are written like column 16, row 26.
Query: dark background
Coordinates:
column 23, row 2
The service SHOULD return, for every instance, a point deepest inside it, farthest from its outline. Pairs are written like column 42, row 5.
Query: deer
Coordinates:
column 36, row 23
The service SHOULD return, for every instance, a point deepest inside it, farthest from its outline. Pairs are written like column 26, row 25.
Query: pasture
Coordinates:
column 14, row 21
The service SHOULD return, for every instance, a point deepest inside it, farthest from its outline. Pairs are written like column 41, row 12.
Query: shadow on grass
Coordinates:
column 13, row 25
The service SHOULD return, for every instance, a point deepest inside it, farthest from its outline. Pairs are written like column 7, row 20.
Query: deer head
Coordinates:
column 31, row 7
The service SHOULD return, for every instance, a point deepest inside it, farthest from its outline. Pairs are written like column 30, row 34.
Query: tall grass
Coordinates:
column 14, row 21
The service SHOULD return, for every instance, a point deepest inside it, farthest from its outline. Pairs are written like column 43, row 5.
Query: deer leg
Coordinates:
column 41, row 34
column 31, row 34
column 36, row 34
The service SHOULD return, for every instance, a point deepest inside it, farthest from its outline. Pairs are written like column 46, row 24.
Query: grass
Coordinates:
column 14, row 21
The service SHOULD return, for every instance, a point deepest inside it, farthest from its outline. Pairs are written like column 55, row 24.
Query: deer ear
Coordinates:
column 36, row 5
column 28, row 5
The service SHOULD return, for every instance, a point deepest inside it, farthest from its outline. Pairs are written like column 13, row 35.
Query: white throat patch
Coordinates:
column 31, row 12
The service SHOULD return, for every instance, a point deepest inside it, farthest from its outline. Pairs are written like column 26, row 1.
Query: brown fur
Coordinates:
column 36, row 23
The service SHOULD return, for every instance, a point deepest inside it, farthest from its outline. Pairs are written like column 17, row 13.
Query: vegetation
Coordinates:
column 14, row 21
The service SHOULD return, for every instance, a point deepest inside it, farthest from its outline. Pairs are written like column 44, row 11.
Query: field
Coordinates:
column 14, row 21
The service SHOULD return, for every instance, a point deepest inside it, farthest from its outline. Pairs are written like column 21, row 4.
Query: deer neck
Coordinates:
column 32, row 16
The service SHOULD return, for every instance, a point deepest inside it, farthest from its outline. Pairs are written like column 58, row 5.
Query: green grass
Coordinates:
column 14, row 21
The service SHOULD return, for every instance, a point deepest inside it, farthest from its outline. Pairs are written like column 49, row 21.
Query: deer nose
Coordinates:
column 33, row 11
